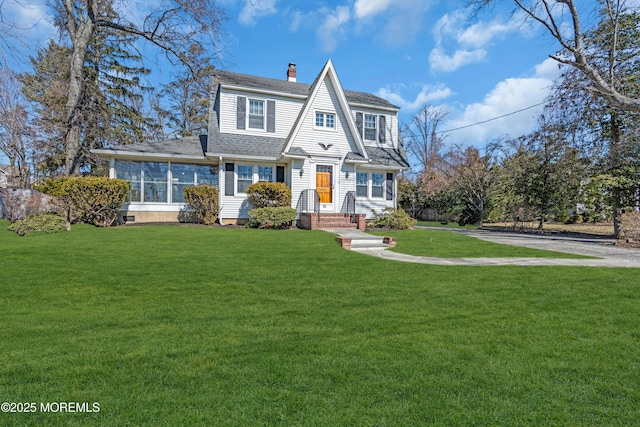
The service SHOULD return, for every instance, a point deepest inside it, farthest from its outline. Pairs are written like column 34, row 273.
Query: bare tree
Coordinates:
column 423, row 138
column 551, row 15
column 171, row 27
column 13, row 125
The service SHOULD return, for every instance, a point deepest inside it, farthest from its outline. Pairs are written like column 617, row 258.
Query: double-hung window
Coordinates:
column 245, row 178
column 326, row 120
column 370, row 128
column 377, row 185
column 361, row 184
column 265, row 173
column 256, row 114
column 155, row 181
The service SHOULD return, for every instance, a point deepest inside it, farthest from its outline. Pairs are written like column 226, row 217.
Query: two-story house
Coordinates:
column 337, row 150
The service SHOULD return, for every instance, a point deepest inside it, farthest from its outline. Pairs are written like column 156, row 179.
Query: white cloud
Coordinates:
column 508, row 96
column 28, row 17
column 255, row 9
column 469, row 42
column 427, row 95
column 440, row 61
column 333, row 28
column 369, row 8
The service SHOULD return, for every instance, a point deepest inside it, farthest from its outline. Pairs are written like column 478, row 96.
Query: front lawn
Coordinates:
column 187, row 325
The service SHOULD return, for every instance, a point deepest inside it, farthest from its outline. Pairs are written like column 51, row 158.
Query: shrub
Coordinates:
column 277, row 218
column 39, row 222
column 393, row 218
column 18, row 204
column 203, row 201
column 94, row 200
column 630, row 224
column 269, row 195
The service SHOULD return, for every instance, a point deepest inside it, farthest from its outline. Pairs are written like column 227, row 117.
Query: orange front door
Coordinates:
column 323, row 183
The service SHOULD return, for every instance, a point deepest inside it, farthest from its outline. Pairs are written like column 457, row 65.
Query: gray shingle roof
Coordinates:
column 382, row 157
column 189, row 146
column 293, row 88
column 228, row 144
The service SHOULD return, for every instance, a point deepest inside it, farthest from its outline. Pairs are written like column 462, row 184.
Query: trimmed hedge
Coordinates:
column 203, row 201
column 393, row 218
column 39, row 222
column 276, row 218
column 269, row 195
column 94, row 200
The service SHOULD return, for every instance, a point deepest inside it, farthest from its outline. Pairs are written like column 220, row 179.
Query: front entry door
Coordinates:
column 324, row 178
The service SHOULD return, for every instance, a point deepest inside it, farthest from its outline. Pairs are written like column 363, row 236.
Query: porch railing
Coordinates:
column 349, row 205
column 309, row 202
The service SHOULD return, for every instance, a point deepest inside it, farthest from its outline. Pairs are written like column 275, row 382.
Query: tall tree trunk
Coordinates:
column 81, row 30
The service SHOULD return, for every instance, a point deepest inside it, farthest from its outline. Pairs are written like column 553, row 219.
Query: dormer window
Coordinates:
column 370, row 127
column 256, row 114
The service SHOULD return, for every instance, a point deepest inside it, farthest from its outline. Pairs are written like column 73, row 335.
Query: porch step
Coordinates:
column 358, row 240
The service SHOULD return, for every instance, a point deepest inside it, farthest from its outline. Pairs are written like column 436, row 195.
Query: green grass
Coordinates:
column 168, row 326
column 450, row 224
column 448, row 244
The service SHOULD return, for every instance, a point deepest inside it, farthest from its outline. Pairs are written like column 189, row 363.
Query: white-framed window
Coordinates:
column 245, row 177
column 150, row 180
column 265, row 173
column 256, row 114
column 325, row 120
column 361, row 184
column 370, row 127
column 377, row 185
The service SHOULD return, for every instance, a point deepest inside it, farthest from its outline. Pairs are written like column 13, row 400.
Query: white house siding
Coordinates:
column 237, row 206
column 391, row 131
column 366, row 205
column 287, row 111
column 300, row 182
column 308, row 136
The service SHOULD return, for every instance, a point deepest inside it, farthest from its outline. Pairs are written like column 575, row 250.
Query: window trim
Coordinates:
column 259, row 176
column 364, row 127
column 237, row 176
column 264, row 113
column 365, row 185
column 324, row 120
column 381, row 186
column 169, row 180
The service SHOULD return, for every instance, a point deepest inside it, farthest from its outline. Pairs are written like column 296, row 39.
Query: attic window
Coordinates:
column 326, row 120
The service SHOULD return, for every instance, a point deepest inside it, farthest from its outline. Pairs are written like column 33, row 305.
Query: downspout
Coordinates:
column 220, row 164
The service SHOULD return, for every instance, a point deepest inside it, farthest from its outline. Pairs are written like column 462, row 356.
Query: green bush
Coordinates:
column 94, row 200
column 203, row 201
column 39, row 222
column 278, row 217
column 269, row 195
column 630, row 224
column 393, row 218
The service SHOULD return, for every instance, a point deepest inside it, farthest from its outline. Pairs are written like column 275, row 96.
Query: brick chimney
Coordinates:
column 291, row 72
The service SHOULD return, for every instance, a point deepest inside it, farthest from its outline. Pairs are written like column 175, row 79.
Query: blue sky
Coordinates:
column 410, row 52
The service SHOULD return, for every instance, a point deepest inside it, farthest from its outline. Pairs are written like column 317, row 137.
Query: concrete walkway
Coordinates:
column 608, row 255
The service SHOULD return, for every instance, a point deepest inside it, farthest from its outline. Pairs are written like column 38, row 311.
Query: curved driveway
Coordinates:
column 603, row 249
